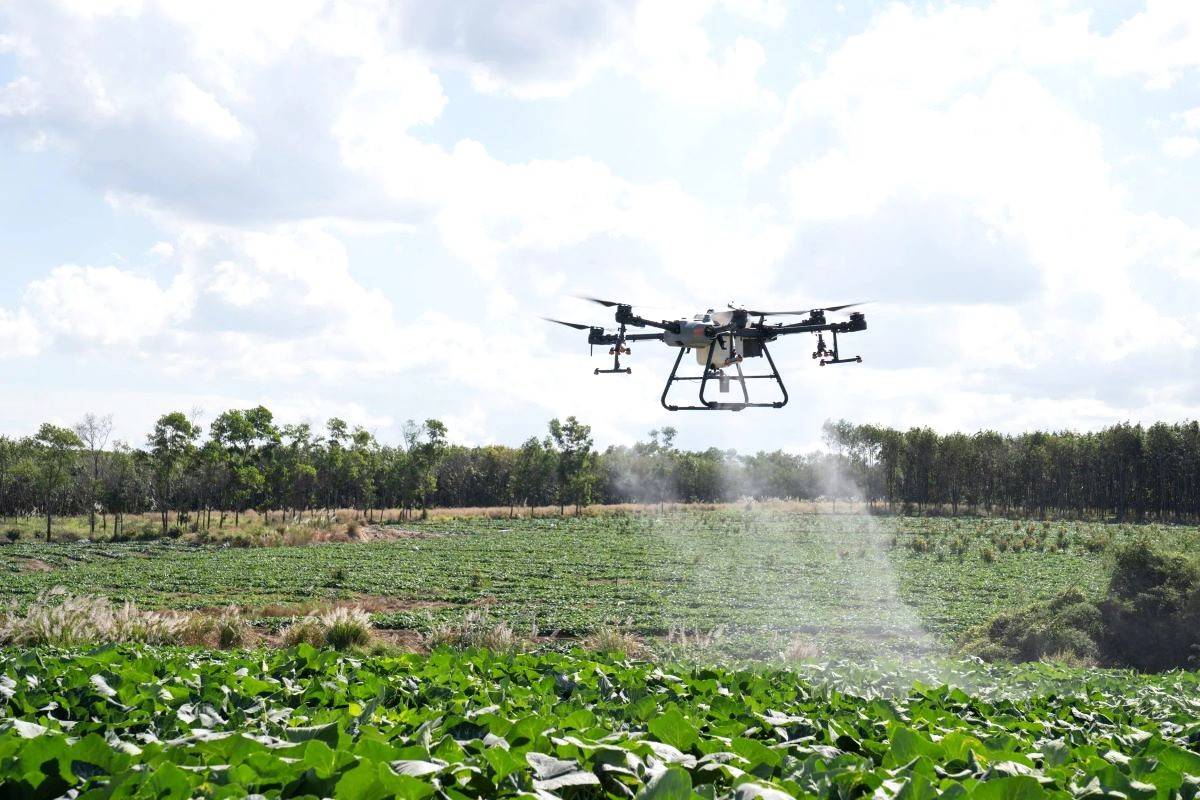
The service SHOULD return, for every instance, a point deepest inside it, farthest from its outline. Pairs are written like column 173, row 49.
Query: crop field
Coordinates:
column 125, row 722
column 717, row 702
column 852, row 584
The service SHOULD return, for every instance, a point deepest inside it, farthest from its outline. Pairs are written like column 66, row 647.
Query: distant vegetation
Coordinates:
column 195, row 479
column 1149, row 617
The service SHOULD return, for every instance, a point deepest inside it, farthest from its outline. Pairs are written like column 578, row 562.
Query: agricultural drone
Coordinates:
column 720, row 340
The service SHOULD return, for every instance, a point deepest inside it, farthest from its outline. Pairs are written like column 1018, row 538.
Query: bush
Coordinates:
column 1068, row 624
column 12, row 534
column 1149, row 619
column 341, row 629
column 800, row 648
column 232, row 631
column 346, row 628
column 614, row 639
column 476, row 630
column 1152, row 612
column 305, row 631
column 337, row 577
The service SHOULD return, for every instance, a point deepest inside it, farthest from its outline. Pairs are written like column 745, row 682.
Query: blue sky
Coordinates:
column 362, row 208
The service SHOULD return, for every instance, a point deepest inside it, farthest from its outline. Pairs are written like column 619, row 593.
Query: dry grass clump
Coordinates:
column 1070, row 659
column 227, row 630
column 475, row 630
column 614, row 639
column 340, row 628
column 697, row 638
column 308, row 630
column 59, row 618
column 346, row 627
column 800, row 648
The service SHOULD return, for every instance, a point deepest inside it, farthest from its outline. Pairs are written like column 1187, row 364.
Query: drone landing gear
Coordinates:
column 828, row 356
column 717, row 374
column 616, row 351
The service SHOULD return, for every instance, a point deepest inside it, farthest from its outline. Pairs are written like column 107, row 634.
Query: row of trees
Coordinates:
column 246, row 460
column 1124, row 471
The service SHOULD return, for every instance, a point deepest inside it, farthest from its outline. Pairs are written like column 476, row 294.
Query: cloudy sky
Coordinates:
column 362, row 208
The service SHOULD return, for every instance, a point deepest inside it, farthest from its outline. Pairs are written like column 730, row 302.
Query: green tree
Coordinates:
column 533, row 472
column 170, row 443
column 425, row 445
column 56, row 451
column 93, row 431
column 576, row 462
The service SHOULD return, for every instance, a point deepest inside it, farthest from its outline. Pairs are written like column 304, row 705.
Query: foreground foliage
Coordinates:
column 122, row 722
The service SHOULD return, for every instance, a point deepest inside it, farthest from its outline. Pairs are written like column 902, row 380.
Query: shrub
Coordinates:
column 232, row 631
column 800, row 648
column 199, row 631
column 308, row 630
column 346, row 627
column 12, row 534
column 988, row 555
column 614, row 639
column 475, row 630
column 1152, row 612
column 340, row 628
column 1149, row 620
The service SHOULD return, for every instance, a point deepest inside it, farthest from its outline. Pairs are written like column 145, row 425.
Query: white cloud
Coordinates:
column 19, row 335
column 946, row 112
column 1181, row 146
column 201, row 111
column 101, row 306
column 671, row 51
column 1158, row 43
column 18, row 98
column 770, row 13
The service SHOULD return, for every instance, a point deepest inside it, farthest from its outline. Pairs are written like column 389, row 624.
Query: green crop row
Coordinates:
column 853, row 585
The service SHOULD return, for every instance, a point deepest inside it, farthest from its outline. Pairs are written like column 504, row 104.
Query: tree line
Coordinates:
column 245, row 459
column 1123, row 471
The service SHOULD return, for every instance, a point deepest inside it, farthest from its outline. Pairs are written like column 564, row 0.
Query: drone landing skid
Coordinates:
column 712, row 373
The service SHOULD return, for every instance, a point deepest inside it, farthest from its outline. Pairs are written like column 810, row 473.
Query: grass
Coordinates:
column 849, row 584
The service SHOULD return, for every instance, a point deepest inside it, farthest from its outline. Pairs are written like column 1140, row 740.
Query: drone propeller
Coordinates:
column 801, row 313
column 574, row 325
column 600, row 301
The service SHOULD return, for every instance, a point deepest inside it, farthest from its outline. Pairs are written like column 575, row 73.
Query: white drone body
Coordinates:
column 721, row 341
